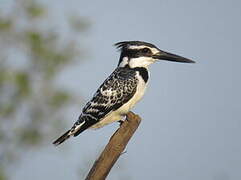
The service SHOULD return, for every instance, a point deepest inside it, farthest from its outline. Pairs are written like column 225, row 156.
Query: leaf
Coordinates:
column 30, row 136
column 2, row 174
column 59, row 99
column 5, row 24
column 22, row 82
column 34, row 9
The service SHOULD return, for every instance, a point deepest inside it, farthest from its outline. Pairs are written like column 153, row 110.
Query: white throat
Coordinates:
column 137, row 62
column 124, row 62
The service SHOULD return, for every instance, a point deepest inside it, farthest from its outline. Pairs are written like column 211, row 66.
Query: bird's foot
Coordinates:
column 121, row 121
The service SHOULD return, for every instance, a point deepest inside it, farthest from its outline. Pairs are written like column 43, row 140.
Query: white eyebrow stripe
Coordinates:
column 137, row 47
column 154, row 50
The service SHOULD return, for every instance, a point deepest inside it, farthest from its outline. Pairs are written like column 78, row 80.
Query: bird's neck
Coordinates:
column 142, row 71
column 123, row 62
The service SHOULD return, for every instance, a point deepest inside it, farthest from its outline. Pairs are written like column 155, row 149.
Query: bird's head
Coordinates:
column 141, row 54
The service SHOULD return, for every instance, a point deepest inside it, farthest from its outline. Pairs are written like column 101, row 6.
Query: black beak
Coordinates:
column 162, row 55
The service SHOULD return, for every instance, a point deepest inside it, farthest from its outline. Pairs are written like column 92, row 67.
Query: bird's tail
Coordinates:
column 82, row 124
column 62, row 138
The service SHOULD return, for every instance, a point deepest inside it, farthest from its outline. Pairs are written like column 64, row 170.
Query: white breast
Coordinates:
column 123, row 110
column 141, row 87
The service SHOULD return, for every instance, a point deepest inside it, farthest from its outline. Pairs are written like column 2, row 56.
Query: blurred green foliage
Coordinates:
column 32, row 56
column 2, row 174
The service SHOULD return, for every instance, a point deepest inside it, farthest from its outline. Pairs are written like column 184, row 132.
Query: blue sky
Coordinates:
column 191, row 112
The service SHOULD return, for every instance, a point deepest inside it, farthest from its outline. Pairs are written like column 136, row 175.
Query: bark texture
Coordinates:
column 114, row 148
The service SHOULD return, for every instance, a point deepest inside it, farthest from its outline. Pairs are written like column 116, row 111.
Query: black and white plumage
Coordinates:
column 122, row 89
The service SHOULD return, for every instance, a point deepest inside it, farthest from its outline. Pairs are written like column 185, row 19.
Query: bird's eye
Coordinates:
column 146, row 50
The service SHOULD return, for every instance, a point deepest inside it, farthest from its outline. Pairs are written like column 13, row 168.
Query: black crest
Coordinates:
column 124, row 44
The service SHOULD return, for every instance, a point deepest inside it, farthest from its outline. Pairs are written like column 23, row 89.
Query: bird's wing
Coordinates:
column 116, row 90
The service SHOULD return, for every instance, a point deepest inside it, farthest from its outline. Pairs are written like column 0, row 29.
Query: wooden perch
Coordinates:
column 114, row 148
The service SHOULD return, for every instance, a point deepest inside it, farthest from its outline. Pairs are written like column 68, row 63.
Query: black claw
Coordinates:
column 121, row 122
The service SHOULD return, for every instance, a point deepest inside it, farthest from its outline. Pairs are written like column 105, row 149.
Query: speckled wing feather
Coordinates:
column 116, row 90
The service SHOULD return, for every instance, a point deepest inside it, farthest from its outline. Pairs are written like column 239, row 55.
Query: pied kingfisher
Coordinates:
column 122, row 89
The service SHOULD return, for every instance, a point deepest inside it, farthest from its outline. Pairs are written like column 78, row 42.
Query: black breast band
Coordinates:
column 143, row 72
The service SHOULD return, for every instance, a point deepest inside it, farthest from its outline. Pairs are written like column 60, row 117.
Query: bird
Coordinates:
column 124, row 87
